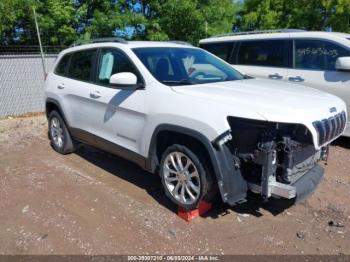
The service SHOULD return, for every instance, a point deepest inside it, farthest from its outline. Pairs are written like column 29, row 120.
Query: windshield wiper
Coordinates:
column 248, row 77
column 179, row 82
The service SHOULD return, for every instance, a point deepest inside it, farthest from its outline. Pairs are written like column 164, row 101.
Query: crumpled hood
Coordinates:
column 274, row 101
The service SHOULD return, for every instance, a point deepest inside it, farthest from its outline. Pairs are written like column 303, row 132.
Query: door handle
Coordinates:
column 296, row 79
column 95, row 94
column 275, row 76
column 60, row 86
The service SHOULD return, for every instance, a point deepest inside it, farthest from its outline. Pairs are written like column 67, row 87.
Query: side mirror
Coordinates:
column 125, row 80
column 343, row 63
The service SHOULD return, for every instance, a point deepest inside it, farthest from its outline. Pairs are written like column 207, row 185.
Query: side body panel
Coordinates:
column 119, row 116
column 274, row 73
column 73, row 97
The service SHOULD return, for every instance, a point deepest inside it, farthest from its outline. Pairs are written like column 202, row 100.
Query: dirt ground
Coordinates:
column 91, row 202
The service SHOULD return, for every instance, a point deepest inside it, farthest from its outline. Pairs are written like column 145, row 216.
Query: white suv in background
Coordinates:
column 185, row 114
column 317, row 59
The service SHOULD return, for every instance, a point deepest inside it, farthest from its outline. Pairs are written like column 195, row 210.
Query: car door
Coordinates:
column 262, row 58
column 118, row 114
column 73, row 86
column 314, row 66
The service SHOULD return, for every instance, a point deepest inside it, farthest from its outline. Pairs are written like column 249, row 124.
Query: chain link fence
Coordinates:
column 22, row 78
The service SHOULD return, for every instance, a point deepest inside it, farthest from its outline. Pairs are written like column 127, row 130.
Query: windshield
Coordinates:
column 185, row 66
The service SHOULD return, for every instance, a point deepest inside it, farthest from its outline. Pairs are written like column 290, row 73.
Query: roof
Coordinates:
column 274, row 35
column 109, row 42
column 135, row 44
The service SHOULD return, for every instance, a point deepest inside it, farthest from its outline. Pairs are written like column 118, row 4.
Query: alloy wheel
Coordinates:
column 181, row 177
column 57, row 132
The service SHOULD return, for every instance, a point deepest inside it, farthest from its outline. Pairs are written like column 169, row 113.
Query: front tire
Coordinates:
column 59, row 136
column 185, row 178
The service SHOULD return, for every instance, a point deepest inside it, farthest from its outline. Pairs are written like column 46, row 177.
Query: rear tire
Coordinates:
column 59, row 136
column 185, row 177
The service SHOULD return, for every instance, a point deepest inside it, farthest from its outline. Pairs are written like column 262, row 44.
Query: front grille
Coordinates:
column 327, row 129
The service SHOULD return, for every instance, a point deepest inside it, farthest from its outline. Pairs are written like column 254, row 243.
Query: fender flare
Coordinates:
column 57, row 104
column 151, row 165
column 232, row 186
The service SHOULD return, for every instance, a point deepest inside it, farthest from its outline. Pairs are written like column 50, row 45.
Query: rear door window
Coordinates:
column 222, row 50
column 309, row 54
column 81, row 65
column 261, row 53
column 61, row 68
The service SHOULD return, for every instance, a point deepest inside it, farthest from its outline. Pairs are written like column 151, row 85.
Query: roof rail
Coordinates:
column 287, row 30
column 179, row 42
column 100, row 40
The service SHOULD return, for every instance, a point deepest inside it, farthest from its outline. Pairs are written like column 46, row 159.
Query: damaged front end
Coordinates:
column 273, row 159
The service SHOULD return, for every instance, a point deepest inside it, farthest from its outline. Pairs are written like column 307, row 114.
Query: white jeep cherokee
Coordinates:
column 181, row 112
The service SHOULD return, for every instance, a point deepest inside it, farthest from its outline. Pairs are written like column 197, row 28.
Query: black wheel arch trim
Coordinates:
column 233, row 187
column 57, row 104
column 151, row 165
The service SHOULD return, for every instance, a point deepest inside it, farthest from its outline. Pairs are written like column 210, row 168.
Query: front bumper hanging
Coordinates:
column 299, row 190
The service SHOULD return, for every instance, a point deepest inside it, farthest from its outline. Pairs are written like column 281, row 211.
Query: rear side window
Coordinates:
column 61, row 68
column 317, row 54
column 81, row 63
column 261, row 53
column 222, row 50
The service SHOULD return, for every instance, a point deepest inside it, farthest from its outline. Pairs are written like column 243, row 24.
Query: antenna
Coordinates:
column 206, row 29
column 40, row 45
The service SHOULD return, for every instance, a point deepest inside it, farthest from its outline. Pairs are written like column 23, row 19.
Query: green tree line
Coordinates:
column 62, row 22
column 303, row 14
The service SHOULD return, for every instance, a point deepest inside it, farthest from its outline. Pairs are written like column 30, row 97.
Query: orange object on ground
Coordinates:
column 189, row 215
